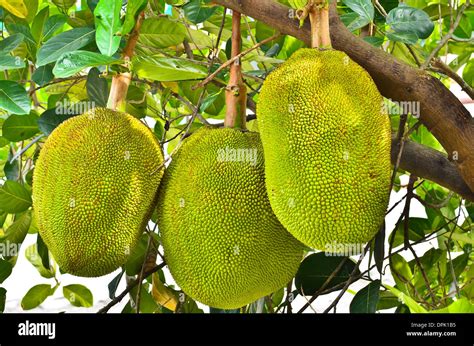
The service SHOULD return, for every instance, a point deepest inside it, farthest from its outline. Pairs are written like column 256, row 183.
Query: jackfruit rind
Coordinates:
column 326, row 139
column 94, row 186
column 222, row 243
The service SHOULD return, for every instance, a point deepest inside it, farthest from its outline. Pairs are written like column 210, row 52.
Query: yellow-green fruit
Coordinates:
column 326, row 139
column 222, row 242
column 94, row 185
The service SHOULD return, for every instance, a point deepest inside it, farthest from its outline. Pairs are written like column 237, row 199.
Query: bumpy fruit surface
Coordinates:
column 222, row 242
column 94, row 186
column 326, row 139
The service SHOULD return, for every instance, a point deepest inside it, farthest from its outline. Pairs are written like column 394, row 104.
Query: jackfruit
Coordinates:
column 326, row 140
column 94, row 186
column 221, row 240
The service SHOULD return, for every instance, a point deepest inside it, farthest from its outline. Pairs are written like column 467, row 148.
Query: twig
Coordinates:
column 446, row 37
column 133, row 284
column 232, row 60
column 326, row 282
column 352, row 278
column 438, row 66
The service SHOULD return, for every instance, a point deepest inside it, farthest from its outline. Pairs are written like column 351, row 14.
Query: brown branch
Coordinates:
column 432, row 165
column 121, row 82
column 441, row 112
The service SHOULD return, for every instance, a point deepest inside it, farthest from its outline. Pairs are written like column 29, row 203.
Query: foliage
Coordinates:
column 58, row 58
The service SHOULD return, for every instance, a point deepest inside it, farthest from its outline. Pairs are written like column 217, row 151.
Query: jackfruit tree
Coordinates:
column 239, row 156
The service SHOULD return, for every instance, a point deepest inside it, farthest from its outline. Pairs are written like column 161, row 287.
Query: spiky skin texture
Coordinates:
column 222, row 242
column 326, row 140
column 94, row 185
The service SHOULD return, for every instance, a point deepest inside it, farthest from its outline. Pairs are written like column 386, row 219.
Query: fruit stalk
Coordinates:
column 318, row 11
column 236, row 91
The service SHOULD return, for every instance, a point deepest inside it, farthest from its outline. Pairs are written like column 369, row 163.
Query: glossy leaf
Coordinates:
column 20, row 127
column 168, row 69
column 197, row 12
column 134, row 7
column 14, row 197
column 13, row 98
column 65, row 42
column 35, row 296
column 161, row 32
column 317, row 268
column 365, row 301
column 97, row 88
column 73, row 62
column 107, row 23
column 16, row 7
column 408, row 20
column 5, row 270
column 364, row 10
column 78, row 295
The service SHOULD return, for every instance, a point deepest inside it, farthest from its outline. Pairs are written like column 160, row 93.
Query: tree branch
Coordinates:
column 441, row 112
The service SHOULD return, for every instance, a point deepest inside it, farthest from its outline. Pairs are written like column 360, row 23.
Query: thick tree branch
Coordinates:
column 441, row 112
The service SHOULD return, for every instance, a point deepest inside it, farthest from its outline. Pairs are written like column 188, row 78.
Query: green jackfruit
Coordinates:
column 326, row 140
column 221, row 240
column 94, row 186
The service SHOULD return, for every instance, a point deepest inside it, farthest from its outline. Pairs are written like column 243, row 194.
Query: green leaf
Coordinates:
column 161, row 32
column 364, row 10
column 14, row 197
column 52, row 25
column 15, row 234
column 43, row 75
column 400, row 266
column 405, row 37
column 365, row 301
column 28, row 38
column 107, row 23
column 97, row 89
column 34, row 258
column 15, row 7
column 468, row 73
column 168, row 69
column 78, row 295
column 43, row 252
column 3, row 298
column 317, row 268
column 37, row 26
column 36, row 295
column 134, row 7
column 20, row 127
column 13, row 98
column 5, row 270
column 407, row 300
column 8, row 44
column 209, row 100
column 462, row 305
column 417, row 227
column 73, row 62
column 9, row 62
column 197, row 12
column 49, row 120
column 63, row 43
column 379, row 248
column 408, row 20
column 64, row 4
column 113, row 285
column 137, row 256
